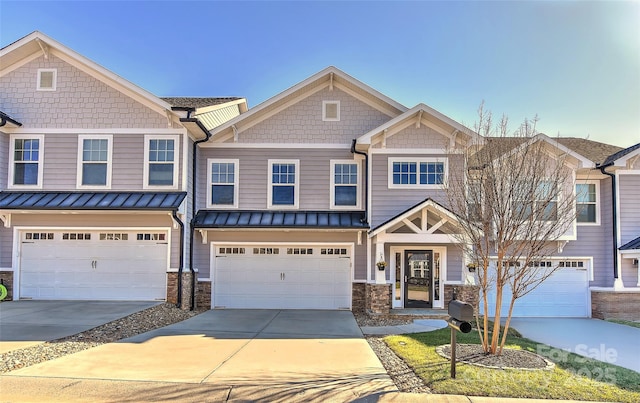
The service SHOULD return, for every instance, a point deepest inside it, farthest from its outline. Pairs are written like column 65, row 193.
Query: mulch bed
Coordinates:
column 509, row 359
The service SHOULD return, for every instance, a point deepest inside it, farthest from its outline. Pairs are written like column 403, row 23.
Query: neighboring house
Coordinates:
column 94, row 173
column 327, row 196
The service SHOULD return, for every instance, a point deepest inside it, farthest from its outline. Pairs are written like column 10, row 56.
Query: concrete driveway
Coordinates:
column 25, row 323
column 593, row 338
column 252, row 355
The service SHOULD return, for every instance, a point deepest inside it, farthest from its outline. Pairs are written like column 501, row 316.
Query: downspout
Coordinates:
column 174, row 214
column 194, row 161
column 366, row 179
column 614, row 210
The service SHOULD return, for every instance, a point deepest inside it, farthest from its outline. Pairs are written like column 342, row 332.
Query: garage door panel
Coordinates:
column 283, row 277
column 93, row 267
column 564, row 294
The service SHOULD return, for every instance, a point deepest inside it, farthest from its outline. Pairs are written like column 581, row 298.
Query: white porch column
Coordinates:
column 380, row 274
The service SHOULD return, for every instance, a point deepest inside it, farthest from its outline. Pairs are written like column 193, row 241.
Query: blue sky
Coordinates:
column 574, row 64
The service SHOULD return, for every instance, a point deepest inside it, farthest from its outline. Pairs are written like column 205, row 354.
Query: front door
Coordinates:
column 418, row 274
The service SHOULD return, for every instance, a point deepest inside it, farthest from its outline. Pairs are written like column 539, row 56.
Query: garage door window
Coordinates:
column 75, row 236
column 38, row 236
column 114, row 236
column 151, row 237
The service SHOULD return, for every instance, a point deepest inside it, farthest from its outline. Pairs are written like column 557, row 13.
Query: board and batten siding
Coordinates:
column 61, row 162
column 98, row 220
column 79, row 101
column 315, row 174
column 596, row 241
column 302, row 122
column 387, row 203
column 202, row 259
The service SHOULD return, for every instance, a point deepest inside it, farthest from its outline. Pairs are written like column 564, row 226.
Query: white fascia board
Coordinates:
column 586, row 163
column 94, row 69
column 622, row 161
column 410, row 114
column 324, row 75
column 419, row 207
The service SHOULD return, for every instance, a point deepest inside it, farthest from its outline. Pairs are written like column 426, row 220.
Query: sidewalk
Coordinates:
column 418, row 325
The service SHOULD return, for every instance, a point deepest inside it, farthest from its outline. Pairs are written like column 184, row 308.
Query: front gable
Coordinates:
column 79, row 100
column 303, row 122
column 298, row 112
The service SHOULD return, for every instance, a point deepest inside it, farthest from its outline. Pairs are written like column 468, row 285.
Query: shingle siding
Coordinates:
column 302, row 122
column 422, row 137
column 79, row 101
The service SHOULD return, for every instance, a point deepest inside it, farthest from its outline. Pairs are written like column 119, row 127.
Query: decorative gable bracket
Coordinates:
column 6, row 219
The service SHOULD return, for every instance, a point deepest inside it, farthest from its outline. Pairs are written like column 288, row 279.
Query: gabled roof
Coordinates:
column 244, row 219
column 192, row 103
column 91, row 200
column 429, row 202
column 621, row 157
column 567, row 145
column 593, row 150
column 37, row 44
column 330, row 77
column 423, row 114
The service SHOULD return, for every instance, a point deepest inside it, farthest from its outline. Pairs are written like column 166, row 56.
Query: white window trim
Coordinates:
column 417, row 161
column 333, row 163
column 54, row 80
column 81, row 138
column 236, row 182
column 176, row 158
column 12, row 145
column 324, row 111
column 296, row 188
column 597, row 185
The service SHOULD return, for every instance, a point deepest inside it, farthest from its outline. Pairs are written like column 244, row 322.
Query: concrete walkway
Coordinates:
column 418, row 326
column 594, row 338
column 26, row 323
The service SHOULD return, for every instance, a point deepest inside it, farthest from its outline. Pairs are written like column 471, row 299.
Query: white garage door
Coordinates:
column 564, row 294
column 282, row 277
column 93, row 265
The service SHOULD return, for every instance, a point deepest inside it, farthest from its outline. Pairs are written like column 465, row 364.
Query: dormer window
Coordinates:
column 330, row 111
column 47, row 79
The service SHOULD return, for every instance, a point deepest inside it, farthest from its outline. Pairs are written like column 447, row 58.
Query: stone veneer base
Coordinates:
column 616, row 304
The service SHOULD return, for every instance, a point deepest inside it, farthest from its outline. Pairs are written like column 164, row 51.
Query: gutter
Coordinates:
column 194, row 164
column 174, row 214
column 614, row 210
column 4, row 119
column 366, row 179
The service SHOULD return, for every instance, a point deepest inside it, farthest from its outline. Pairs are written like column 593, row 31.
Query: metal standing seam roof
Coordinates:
column 280, row 219
column 635, row 244
column 91, row 200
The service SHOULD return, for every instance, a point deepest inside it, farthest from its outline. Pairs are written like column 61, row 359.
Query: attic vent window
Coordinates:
column 47, row 79
column 330, row 111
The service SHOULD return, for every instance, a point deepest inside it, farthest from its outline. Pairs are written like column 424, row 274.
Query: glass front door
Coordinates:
column 418, row 275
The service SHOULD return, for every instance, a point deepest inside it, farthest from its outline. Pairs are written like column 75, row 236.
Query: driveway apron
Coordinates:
column 257, row 354
column 593, row 338
column 26, row 323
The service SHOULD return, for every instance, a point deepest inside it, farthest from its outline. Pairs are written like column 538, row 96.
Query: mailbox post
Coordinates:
column 460, row 313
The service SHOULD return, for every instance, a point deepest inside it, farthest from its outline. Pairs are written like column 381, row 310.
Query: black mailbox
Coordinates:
column 461, row 310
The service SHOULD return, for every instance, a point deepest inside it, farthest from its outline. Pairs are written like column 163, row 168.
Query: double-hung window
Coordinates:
column 344, row 184
column 25, row 169
column 418, row 173
column 283, row 188
column 222, row 191
column 94, row 161
column 540, row 204
column 587, row 206
column 161, row 156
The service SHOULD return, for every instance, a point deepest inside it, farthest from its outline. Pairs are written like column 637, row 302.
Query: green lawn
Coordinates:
column 625, row 322
column 574, row 377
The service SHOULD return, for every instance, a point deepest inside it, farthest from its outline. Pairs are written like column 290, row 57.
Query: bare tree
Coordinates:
column 515, row 199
